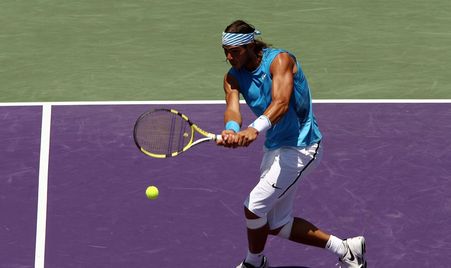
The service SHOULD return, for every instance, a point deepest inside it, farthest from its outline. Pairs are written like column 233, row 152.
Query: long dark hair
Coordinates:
column 240, row 26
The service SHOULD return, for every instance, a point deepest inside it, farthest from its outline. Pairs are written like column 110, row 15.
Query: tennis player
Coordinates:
column 274, row 87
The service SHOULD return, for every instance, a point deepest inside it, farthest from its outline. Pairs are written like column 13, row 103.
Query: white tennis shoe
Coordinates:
column 355, row 257
column 246, row 265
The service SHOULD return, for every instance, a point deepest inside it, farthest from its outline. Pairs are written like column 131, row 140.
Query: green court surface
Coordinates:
column 91, row 50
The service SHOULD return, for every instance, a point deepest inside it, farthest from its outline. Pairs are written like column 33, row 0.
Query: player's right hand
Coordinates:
column 229, row 139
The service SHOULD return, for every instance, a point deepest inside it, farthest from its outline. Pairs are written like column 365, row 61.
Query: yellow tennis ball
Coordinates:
column 152, row 192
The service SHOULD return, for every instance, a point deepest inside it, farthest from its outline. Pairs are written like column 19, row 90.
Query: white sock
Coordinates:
column 336, row 245
column 254, row 259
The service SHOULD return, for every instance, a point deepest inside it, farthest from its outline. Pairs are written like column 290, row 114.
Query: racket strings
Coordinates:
column 163, row 133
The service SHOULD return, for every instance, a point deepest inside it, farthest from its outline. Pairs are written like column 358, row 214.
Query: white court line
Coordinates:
column 42, row 188
column 377, row 101
column 68, row 103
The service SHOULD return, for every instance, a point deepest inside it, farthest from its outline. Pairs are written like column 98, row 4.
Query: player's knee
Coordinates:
column 249, row 214
column 253, row 221
column 256, row 223
column 285, row 232
column 275, row 232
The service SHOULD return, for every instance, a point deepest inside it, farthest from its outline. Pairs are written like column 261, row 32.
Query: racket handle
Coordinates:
column 218, row 137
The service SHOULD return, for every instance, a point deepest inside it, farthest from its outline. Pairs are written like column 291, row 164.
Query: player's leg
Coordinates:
column 281, row 223
column 298, row 230
column 351, row 252
column 281, row 170
column 280, row 218
column 257, row 234
column 302, row 231
column 259, row 202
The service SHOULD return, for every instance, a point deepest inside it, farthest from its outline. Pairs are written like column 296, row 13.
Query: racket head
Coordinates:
column 162, row 133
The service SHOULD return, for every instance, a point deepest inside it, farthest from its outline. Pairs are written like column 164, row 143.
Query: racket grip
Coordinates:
column 218, row 137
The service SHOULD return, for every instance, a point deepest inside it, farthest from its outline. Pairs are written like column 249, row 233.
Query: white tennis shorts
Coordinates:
column 281, row 171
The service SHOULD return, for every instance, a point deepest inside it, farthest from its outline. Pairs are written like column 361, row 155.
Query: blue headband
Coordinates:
column 238, row 39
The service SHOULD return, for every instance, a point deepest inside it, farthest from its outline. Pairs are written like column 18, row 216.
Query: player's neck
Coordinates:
column 254, row 62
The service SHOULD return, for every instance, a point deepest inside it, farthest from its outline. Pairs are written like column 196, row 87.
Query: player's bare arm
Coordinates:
column 282, row 70
column 232, row 112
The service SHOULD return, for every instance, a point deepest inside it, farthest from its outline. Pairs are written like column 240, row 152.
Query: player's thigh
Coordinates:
column 276, row 178
column 307, row 159
column 282, row 211
column 281, row 171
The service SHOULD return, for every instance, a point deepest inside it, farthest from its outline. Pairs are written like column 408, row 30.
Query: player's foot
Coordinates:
column 355, row 256
column 246, row 265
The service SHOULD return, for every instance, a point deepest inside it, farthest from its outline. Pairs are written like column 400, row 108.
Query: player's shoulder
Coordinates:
column 281, row 58
column 231, row 78
column 232, row 73
column 272, row 53
column 277, row 51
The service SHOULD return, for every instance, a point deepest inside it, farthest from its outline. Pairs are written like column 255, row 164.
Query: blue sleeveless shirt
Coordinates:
column 298, row 127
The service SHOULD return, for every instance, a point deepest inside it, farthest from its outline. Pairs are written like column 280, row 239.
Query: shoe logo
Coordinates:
column 275, row 187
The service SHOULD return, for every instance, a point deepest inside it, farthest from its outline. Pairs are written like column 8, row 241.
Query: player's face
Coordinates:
column 236, row 55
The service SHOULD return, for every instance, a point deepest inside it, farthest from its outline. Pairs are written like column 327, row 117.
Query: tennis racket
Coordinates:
column 162, row 133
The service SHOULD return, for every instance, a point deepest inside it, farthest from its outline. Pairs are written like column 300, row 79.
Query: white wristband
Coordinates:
column 262, row 123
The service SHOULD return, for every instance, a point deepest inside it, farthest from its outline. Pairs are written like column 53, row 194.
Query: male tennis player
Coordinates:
column 276, row 90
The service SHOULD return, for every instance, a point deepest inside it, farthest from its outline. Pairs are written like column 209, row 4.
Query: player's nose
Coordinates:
column 229, row 56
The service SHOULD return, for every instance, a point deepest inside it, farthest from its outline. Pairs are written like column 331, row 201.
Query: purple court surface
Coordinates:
column 19, row 166
column 385, row 174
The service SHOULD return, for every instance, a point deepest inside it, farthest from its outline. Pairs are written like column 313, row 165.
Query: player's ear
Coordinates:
column 250, row 48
